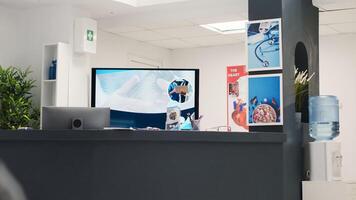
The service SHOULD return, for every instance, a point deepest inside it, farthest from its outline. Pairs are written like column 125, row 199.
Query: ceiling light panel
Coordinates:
column 142, row 3
column 128, row 2
column 233, row 27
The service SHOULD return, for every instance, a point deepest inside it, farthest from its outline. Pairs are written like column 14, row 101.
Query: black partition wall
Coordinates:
column 300, row 37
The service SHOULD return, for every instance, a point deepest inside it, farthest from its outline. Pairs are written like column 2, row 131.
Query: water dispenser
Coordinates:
column 324, row 117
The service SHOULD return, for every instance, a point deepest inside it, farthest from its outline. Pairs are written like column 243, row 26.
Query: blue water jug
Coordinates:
column 324, row 117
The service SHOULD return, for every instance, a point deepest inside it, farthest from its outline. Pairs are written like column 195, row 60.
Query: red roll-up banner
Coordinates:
column 237, row 95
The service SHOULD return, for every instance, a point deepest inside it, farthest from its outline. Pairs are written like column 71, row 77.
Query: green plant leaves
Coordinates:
column 16, row 106
column 301, row 84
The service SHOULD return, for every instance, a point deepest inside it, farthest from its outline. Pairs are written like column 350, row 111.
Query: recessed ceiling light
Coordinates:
column 128, row 2
column 141, row 3
column 227, row 27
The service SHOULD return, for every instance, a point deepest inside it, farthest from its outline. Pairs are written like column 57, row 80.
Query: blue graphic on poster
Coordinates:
column 264, row 45
column 265, row 93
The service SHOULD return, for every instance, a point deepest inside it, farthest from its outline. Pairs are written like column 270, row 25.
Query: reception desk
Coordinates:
column 145, row 165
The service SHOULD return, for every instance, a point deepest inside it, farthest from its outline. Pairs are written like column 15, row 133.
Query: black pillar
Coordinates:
column 300, row 26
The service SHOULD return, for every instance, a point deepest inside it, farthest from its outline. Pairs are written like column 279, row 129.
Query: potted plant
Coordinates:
column 16, row 105
column 301, row 83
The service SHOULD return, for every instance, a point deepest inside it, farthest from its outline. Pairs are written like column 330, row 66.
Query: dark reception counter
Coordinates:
column 134, row 135
column 145, row 165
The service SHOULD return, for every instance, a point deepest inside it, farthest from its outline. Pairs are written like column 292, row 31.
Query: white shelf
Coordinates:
column 49, row 90
column 55, row 92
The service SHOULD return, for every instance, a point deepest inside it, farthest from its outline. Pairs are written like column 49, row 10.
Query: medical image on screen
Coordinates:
column 179, row 90
column 140, row 98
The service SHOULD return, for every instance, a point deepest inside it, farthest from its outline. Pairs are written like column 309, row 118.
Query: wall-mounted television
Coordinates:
column 139, row 97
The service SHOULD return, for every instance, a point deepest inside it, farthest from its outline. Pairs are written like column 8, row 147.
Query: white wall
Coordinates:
column 52, row 24
column 39, row 26
column 112, row 51
column 24, row 32
column 337, row 77
column 115, row 51
column 9, row 34
column 212, row 62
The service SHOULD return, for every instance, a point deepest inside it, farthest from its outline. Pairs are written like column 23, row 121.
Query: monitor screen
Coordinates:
column 139, row 98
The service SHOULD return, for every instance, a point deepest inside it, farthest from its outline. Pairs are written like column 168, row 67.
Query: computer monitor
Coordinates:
column 139, row 98
column 64, row 118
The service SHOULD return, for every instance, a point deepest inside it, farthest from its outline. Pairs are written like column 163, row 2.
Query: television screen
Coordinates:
column 139, row 98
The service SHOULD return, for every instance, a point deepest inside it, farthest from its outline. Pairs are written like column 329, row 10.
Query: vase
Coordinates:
column 298, row 120
column 302, row 129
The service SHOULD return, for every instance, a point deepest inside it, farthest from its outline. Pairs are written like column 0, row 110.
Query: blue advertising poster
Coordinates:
column 265, row 100
column 264, row 45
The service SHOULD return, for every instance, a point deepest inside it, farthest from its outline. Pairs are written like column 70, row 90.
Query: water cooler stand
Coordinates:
column 324, row 163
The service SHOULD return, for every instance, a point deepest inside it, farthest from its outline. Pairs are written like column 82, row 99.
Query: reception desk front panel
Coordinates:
column 140, row 165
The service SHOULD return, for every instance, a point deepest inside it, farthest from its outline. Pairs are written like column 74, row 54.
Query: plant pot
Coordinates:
column 303, row 128
column 298, row 122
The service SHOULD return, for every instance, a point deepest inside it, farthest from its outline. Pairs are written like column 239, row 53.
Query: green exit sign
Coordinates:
column 90, row 35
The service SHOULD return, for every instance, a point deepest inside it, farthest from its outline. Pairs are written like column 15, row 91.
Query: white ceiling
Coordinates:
column 337, row 16
column 334, row 4
column 176, row 25
column 140, row 3
column 169, row 25
column 338, row 22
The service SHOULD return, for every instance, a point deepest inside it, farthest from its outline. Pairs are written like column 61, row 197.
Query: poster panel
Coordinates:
column 237, row 98
column 264, row 45
column 265, row 100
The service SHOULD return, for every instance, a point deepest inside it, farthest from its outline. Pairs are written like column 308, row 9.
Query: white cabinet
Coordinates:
column 337, row 190
column 325, row 160
column 55, row 92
